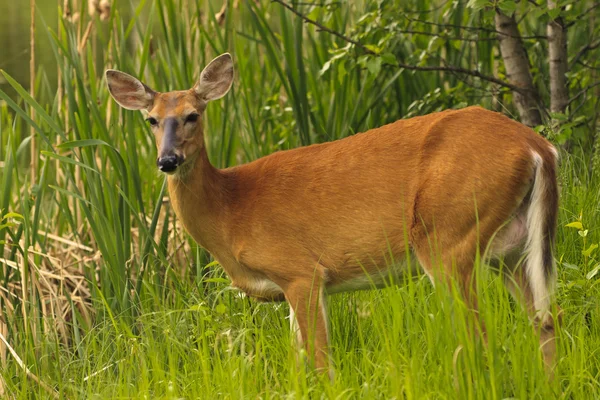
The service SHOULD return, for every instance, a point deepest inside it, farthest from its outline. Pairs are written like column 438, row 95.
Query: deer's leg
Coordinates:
column 517, row 282
column 307, row 304
column 448, row 262
column 296, row 334
column 462, row 275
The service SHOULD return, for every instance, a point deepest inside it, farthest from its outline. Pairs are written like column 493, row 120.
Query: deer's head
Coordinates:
column 174, row 117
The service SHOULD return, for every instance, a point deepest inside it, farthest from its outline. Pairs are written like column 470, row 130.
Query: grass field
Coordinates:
column 104, row 296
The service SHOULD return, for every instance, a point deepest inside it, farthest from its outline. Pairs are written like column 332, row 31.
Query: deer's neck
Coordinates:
column 197, row 195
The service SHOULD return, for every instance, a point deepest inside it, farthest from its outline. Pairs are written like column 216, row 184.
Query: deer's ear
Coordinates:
column 215, row 80
column 128, row 91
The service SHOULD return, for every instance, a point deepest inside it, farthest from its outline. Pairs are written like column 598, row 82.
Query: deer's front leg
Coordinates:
column 295, row 332
column 308, row 315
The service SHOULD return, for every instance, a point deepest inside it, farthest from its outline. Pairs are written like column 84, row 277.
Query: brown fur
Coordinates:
column 308, row 219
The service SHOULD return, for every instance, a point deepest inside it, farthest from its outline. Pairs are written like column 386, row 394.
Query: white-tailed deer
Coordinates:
column 302, row 223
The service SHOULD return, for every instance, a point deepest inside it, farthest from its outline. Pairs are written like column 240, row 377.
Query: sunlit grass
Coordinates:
column 104, row 296
column 406, row 341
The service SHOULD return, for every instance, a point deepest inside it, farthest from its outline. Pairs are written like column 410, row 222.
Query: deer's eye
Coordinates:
column 152, row 121
column 191, row 118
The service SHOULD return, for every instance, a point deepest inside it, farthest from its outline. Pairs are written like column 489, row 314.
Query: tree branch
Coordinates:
column 588, row 66
column 583, row 91
column 585, row 49
column 323, row 27
column 323, row 4
column 442, row 4
column 364, row 48
column 449, row 38
column 475, row 28
column 578, row 18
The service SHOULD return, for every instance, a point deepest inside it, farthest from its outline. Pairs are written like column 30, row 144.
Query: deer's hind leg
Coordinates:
column 518, row 284
column 447, row 263
column 510, row 249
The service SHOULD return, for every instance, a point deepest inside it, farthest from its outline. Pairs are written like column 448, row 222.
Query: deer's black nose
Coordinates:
column 168, row 163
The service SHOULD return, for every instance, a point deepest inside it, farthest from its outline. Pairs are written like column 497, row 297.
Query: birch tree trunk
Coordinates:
column 518, row 72
column 557, row 53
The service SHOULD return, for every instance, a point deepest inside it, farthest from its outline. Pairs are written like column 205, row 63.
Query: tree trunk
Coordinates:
column 518, row 72
column 557, row 49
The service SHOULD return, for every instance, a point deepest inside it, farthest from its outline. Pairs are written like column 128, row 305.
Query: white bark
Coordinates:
column 518, row 72
column 557, row 52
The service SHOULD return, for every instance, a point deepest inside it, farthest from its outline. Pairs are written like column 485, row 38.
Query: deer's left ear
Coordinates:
column 128, row 91
column 216, row 79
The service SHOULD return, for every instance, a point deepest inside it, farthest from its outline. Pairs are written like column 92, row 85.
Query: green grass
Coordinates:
column 104, row 296
column 407, row 341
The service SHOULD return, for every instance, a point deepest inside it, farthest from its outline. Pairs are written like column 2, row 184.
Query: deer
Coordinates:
column 300, row 224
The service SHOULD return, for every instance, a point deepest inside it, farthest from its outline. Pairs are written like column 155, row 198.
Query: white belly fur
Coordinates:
column 380, row 279
column 260, row 287
column 263, row 287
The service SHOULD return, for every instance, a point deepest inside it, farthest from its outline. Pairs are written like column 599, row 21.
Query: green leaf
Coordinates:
column 34, row 104
column 590, row 250
column 566, row 132
column 314, row 13
column 576, row 225
column 68, row 161
column 198, row 307
column 571, row 266
column 372, row 48
column 539, row 128
column 593, row 272
column 477, row 4
column 12, row 215
column 362, row 61
column 435, row 43
column 583, row 233
column 341, row 71
column 217, row 280
column 389, row 58
column 82, row 143
column 507, row 7
column 374, row 65
column 553, row 13
column 325, row 68
column 221, row 308
column 558, row 116
column 214, row 264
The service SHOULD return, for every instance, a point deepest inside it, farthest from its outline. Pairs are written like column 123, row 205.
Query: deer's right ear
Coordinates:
column 129, row 92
